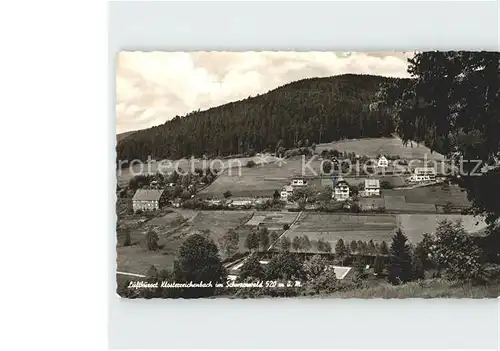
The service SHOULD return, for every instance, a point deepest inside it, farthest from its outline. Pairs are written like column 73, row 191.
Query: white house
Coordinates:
column 372, row 187
column 382, row 162
column 286, row 192
column 423, row 174
column 298, row 181
column 340, row 190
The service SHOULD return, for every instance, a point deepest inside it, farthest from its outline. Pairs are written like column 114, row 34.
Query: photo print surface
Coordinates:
column 296, row 174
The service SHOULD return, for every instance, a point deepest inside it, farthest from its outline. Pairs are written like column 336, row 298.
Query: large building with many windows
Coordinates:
column 148, row 199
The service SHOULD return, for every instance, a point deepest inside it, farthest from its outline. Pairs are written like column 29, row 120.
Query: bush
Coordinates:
column 126, row 239
column 152, row 241
column 385, row 185
column 286, row 226
column 251, row 164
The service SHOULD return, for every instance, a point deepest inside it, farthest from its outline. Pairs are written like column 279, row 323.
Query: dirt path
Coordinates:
column 286, row 231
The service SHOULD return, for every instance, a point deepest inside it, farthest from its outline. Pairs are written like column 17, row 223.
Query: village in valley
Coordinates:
column 350, row 185
column 346, row 215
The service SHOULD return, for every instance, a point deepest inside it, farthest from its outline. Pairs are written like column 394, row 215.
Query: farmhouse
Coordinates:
column 148, row 199
column 423, row 174
column 382, row 162
column 340, row 190
column 286, row 192
column 372, row 187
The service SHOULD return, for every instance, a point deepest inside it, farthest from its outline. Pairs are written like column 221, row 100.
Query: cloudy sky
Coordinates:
column 153, row 87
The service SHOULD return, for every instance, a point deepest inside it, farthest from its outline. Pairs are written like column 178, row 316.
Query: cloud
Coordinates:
column 153, row 87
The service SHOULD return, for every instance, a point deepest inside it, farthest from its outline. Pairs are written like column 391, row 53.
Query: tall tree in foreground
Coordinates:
column 456, row 251
column 285, row 265
column 452, row 104
column 400, row 264
column 198, row 261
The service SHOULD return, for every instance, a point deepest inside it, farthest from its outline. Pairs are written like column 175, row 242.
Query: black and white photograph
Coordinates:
column 287, row 174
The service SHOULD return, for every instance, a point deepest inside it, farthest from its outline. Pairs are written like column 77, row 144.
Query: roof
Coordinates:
column 382, row 158
column 147, row 195
column 372, row 183
column 424, row 169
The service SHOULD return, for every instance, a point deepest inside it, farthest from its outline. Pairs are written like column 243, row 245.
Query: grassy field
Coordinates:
column 331, row 227
column 127, row 173
column 378, row 227
column 172, row 229
column 372, row 147
column 414, row 225
column 432, row 195
column 256, row 181
column 432, row 288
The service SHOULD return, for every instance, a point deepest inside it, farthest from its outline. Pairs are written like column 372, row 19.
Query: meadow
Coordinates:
column 377, row 227
column 172, row 229
column 372, row 147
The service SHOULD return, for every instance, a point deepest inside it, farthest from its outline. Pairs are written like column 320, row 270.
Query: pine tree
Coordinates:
column 354, row 246
column 306, row 243
column 371, row 247
column 340, row 250
column 417, row 266
column 400, row 264
column 384, row 250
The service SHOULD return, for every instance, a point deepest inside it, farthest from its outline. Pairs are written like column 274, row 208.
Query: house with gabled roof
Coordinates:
column 382, row 162
column 148, row 199
column 372, row 187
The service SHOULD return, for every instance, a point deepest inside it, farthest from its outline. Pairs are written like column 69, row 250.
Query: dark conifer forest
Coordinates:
column 308, row 111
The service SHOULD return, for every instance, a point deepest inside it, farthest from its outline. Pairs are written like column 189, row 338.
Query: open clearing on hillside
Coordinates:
column 378, row 227
column 372, row 147
column 432, row 195
column 172, row 230
column 167, row 166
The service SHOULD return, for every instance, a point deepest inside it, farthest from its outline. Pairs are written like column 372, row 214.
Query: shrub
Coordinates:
column 152, row 241
column 286, row 226
column 251, row 164
column 126, row 239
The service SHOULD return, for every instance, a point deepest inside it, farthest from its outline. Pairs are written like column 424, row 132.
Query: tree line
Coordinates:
column 294, row 115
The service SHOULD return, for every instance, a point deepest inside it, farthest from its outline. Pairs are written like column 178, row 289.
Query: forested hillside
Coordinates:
column 310, row 110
